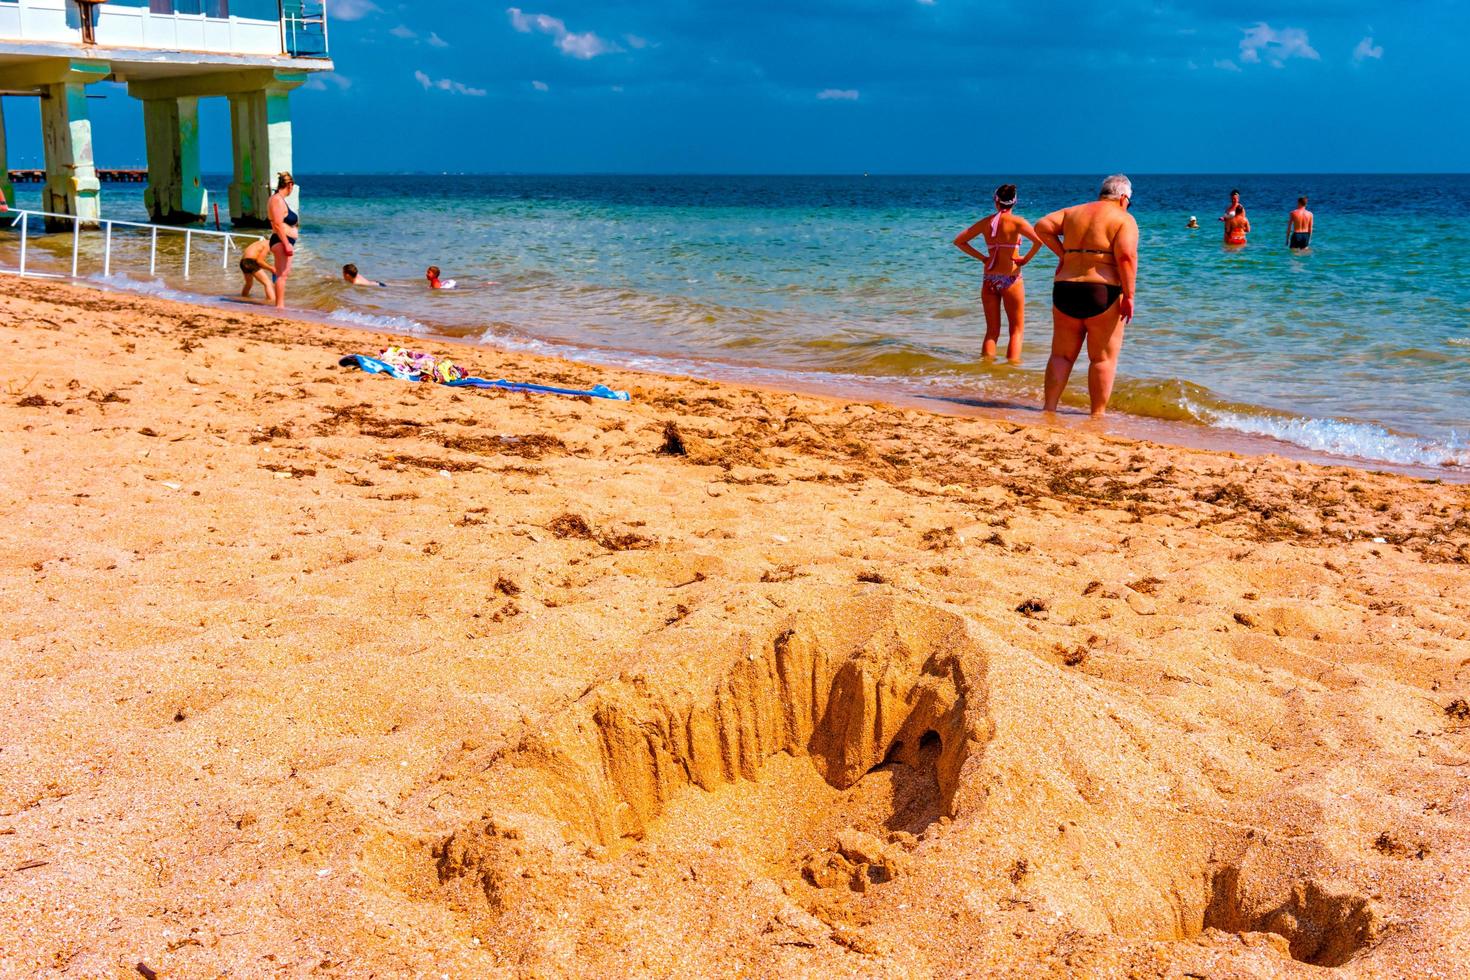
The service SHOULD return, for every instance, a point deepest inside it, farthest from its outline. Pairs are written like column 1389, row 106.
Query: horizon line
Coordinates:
column 824, row 173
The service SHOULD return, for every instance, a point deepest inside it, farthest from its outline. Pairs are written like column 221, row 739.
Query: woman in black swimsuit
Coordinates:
column 1092, row 297
column 284, row 232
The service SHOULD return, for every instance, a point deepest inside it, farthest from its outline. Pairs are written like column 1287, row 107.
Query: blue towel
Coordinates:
column 374, row 366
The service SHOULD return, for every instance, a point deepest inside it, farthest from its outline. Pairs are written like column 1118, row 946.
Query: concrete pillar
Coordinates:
column 5, row 185
column 72, row 186
column 175, row 193
column 261, row 124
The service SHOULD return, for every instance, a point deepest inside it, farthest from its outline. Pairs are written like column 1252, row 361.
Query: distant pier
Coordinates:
column 112, row 176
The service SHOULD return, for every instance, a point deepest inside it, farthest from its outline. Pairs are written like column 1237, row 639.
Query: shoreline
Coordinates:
column 318, row 672
column 1118, row 424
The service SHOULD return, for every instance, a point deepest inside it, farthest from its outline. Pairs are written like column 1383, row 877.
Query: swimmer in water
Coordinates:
column 352, row 277
column 1299, row 227
column 256, row 265
column 1236, row 228
column 1235, row 206
column 1193, row 222
column 435, row 282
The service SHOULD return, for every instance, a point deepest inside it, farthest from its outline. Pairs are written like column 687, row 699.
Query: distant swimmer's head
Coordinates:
column 349, row 272
column 284, row 181
column 432, row 272
column 1193, row 222
column 249, row 266
column 1116, row 188
column 1005, row 196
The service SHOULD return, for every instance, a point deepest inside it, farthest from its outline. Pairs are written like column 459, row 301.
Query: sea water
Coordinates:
column 1358, row 348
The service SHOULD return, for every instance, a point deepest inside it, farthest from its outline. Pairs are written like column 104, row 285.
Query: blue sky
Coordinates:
column 841, row 86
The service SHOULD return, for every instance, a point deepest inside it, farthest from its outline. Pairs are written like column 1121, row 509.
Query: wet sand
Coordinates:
column 315, row 673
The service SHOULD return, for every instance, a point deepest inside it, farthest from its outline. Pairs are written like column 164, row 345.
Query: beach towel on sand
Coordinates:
column 412, row 366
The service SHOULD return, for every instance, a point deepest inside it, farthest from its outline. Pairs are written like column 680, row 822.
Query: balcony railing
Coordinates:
column 249, row 27
column 304, row 28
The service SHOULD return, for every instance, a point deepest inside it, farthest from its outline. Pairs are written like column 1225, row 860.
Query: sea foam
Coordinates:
column 374, row 321
column 1362, row 440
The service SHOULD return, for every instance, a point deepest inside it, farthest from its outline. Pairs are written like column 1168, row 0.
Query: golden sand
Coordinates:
column 309, row 672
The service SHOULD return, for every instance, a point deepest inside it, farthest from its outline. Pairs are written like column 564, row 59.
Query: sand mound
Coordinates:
column 858, row 752
column 874, row 698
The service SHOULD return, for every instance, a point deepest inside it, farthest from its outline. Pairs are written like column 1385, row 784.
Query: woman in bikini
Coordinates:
column 285, row 225
column 1002, row 232
column 1237, row 226
column 1092, row 297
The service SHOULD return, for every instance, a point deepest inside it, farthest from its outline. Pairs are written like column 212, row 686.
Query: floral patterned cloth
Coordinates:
column 424, row 367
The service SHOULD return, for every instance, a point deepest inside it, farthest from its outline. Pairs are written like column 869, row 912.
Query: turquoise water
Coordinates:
column 1359, row 349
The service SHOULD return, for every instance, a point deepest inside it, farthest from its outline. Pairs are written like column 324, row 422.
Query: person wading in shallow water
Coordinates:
column 1237, row 228
column 1004, row 285
column 1092, row 297
column 285, row 224
column 1299, row 227
column 1235, row 206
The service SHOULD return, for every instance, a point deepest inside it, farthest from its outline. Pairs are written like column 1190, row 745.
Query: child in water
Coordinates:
column 352, row 277
column 435, row 282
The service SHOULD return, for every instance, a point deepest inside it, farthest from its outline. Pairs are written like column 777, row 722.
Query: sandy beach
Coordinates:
column 314, row 673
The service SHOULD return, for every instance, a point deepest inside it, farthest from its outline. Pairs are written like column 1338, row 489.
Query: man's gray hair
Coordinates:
column 1116, row 186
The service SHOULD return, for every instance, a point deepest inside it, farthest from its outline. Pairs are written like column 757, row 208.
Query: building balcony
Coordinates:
column 265, row 29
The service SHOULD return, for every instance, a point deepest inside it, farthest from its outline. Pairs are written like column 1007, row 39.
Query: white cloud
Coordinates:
column 318, row 82
column 635, row 42
column 1264, row 43
column 583, row 46
column 1367, row 49
column 447, row 85
column 1225, row 64
column 435, row 41
column 541, row 86
column 839, row 94
column 353, row 9
column 403, row 31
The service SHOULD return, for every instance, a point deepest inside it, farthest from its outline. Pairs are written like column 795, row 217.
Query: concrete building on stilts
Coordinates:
column 170, row 54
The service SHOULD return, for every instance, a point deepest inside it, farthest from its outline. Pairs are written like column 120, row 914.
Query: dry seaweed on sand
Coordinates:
column 673, row 444
column 570, row 526
column 1033, row 607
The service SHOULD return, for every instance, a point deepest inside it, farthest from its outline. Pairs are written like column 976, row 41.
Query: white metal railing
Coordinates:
column 23, row 220
column 262, row 27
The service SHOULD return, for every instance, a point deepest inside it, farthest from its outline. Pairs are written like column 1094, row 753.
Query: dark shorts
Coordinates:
column 248, row 272
column 1083, row 300
column 1301, row 239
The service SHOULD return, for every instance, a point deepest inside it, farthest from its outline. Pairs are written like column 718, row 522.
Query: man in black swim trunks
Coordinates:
column 1092, row 297
column 1299, row 227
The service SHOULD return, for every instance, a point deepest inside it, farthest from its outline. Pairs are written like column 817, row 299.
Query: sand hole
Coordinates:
column 1324, row 924
column 858, row 718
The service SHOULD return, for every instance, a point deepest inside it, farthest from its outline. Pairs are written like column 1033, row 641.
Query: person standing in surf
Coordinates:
column 285, row 225
column 1237, row 227
column 1092, row 297
column 1299, row 227
column 1235, row 206
column 1004, row 285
